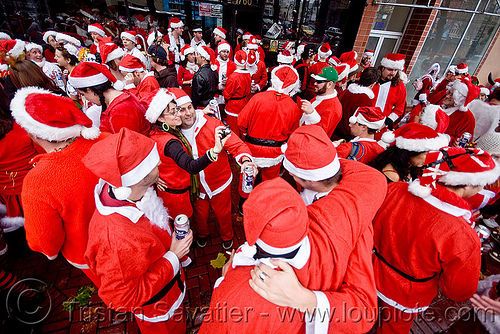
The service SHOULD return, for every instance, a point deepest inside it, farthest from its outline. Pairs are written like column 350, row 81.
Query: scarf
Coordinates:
column 192, row 67
column 194, row 190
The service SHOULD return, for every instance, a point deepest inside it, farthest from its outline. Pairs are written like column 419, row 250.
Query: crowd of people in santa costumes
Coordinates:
column 358, row 201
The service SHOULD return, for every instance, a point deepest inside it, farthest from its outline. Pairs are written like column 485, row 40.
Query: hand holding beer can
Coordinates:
column 247, row 182
column 181, row 226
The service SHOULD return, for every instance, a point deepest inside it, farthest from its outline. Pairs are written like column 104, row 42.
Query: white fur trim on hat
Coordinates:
column 17, row 49
column 419, row 190
column 177, row 25
column 398, row 65
column 129, row 36
column 363, row 121
column 354, row 68
column 285, row 59
column 115, row 54
column 318, row 174
column 460, row 91
column 4, row 36
column 183, row 100
column 72, row 50
column 252, row 46
column 222, row 47
column 428, row 117
column 357, row 89
column 152, row 36
column 323, row 55
column 98, row 31
column 421, row 145
column 276, row 83
column 122, row 193
column 462, row 71
column 485, row 91
column 189, row 50
column 90, row 81
column 47, row 34
column 203, row 53
column 70, row 39
column 130, row 70
column 31, row 46
column 40, row 130
column 141, row 170
column 219, row 32
column 158, row 104
column 478, row 179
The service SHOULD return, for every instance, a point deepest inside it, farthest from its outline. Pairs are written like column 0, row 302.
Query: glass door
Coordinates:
column 383, row 42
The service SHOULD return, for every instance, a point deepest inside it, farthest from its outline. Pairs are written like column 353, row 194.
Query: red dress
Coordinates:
column 184, row 75
column 125, row 111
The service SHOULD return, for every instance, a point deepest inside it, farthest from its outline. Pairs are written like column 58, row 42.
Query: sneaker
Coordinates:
column 201, row 241
column 227, row 244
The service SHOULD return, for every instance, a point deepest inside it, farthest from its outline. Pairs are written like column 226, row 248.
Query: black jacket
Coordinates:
column 167, row 77
column 204, row 86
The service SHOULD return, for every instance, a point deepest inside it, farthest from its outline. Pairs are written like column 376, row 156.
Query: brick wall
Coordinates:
column 365, row 28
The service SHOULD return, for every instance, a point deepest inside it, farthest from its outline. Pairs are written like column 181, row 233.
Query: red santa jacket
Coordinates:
column 125, row 111
column 269, row 115
column 58, row 199
column 217, row 176
column 352, row 98
column 328, row 112
column 340, row 238
column 438, row 93
column 184, row 75
column 460, row 122
column 422, row 94
column 93, row 48
column 146, row 86
column 392, row 100
column 486, row 196
column 365, row 150
column 237, row 91
column 131, row 257
column 260, row 76
column 426, row 238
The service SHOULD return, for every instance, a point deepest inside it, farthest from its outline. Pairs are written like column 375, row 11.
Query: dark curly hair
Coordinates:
column 399, row 159
column 99, row 91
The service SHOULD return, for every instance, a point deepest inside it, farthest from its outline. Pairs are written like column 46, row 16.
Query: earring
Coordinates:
column 163, row 127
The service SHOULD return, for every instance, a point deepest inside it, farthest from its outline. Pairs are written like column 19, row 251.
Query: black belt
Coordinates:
column 408, row 277
column 264, row 142
column 218, row 91
column 237, row 98
column 166, row 289
column 176, row 191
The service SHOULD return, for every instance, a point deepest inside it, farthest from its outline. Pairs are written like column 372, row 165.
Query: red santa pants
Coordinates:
column 177, row 203
column 221, row 204
column 392, row 320
column 233, row 125
column 269, row 173
column 176, row 325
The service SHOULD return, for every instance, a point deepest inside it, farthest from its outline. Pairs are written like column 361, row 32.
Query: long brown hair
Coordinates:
column 395, row 81
column 6, row 121
column 25, row 73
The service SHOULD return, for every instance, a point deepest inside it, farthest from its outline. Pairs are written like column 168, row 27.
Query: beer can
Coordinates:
column 247, row 182
column 214, row 106
column 483, row 232
column 181, row 226
column 464, row 139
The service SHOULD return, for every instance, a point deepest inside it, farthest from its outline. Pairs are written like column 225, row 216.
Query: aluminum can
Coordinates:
column 247, row 182
column 464, row 139
column 214, row 106
column 483, row 232
column 181, row 226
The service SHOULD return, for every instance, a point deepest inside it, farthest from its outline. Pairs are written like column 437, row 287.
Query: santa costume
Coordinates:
column 324, row 52
column 57, row 193
column 49, row 55
column 439, row 92
column 431, row 115
column 269, row 118
column 98, row 29
column 424, row 237
column 427, row 82
column 257, row 70
column 186, row 73
column 224, row 69
column 132, row 35
column 148, row 83
column 129, row 243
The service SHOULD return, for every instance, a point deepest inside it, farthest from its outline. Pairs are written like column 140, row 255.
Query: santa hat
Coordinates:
column 141, row 22
column 175, row 23
column 130, row 64
column 372, row 117
column 153, row 35
column 452, row 69
column 462, row 68
column 416, row 137
column 289, row 45
column 343, row 71
column 368, row 53
column 252, row 57
column 490, row 142
column 464, row 92
column 240, row 31
column 69, row 38
column 240, row 58
column 72, row 50
column 246, row 36
column 484, row 90
column 223, row 46
column 300, row 49
column 455, row 166
column 285, row 57
column 130, row 35
column 30, row 46
column 259, row 39
column 87, row 13
column 186, row 49
column 334, row 61
column 47, row 34
column 434, row 117
column 123, row 159
column 277, row 224
column 350, row 59
column 4, row 35
column 324, row 51
column 220, row 32
column 97, row 28
column 394, row 61
column 89, row 74
column 109, row 51
column 209, row 55
column 302, row 158
column 252, row 43
column 157, row 101
column 49, row 116
column 13, row 48
column 181, row 97
column 285, row 80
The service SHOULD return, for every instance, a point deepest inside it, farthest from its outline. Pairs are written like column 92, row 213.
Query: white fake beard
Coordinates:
column 252, row 69
column 154, row 210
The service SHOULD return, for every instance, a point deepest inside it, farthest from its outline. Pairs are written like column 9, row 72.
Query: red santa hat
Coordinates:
column 259, row 39
column 343, row 71
column 181, row 97
column 175, row 23
column 289, row 45
column 223, row 46
column 394, row 61
column 89, row 74
column 109, row 51
column 13, row 48
column 185, row 50
column 302, row 158
column 416, row 137
column 334, row 61
column 47, row 34
column 240, row 31
column 368, row 53
column 285, row 80
column 30, row 46
column 130, row 64
column 209, row 55
column 277, row 224
column 130, row 35
column 49, row 116
column 219, row 31
column 123, row 159
column 372, row 117
column 350, row 59
column 240, row 58
column 324, row 51
column 484, row 90
column 285, row 57
column 434, row 117
column 97, row 28
column 69, row 38
column 246, row 36
column 152, row 36
column 156, row 102
column 252, row 58
column 455, row 166
column 252, row 43
column 462, row 68
column 72, row 50
column 464, row 91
